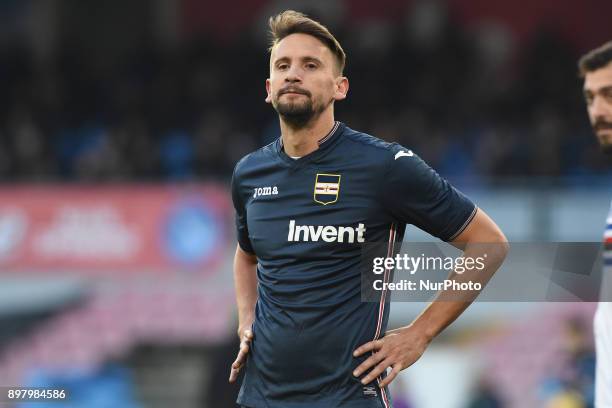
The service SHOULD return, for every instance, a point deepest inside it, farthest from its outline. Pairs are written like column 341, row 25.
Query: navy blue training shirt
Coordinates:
column 306, row 221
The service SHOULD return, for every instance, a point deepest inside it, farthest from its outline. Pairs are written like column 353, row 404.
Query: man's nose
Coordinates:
column 294, row 75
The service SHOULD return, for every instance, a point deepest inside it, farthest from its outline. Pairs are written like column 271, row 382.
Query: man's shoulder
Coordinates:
column 366, row 141
column 254, row 159
column 375, row 147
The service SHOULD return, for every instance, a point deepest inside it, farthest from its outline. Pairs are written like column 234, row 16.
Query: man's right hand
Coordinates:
column 245, row 345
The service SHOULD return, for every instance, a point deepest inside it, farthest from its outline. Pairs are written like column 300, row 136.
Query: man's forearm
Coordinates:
column 245, row 281
column 450, row 304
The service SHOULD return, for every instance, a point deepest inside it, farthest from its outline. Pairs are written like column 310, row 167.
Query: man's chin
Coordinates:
column 293, row 107
column 294, row 111
column 296, row 118
column 294, row 115
column 605, row 141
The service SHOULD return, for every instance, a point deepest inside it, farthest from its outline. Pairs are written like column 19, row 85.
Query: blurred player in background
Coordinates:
column 305, row 204
column 596, row 69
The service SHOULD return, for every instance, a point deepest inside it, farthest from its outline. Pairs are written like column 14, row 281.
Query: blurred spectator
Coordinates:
column 573, row 385
column 485, row 396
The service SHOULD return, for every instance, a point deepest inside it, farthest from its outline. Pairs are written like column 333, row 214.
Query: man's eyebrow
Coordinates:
column 313, row 59
column 603, row 89
column 304, row 59
column 281, row 59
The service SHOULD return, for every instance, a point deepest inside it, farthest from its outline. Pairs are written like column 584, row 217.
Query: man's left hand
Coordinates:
column 399, row 349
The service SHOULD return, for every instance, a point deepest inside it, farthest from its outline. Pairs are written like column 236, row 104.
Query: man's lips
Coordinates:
column 293, row 92
column 602, row 127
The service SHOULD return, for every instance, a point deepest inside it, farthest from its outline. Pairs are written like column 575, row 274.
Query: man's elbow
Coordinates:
column 487, row 231
column 499, row 243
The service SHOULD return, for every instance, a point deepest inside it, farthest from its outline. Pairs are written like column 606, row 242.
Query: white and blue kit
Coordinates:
column 603, row 328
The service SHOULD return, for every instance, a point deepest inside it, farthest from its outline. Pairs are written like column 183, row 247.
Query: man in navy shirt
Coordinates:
column 305, row 206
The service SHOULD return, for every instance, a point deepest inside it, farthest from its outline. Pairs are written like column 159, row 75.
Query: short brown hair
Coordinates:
column 293, row 22
column 595, row 59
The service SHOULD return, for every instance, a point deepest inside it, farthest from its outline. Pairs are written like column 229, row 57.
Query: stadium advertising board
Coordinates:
column 115, row 229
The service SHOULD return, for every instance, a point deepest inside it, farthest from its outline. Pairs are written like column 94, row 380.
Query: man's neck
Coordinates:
column 305, row 140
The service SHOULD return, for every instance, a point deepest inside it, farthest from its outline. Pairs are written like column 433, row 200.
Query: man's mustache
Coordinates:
column 291, row 89
column 601, row 124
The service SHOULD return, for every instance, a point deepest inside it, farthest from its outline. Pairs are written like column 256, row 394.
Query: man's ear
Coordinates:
column 342, row 87
column 268, row 92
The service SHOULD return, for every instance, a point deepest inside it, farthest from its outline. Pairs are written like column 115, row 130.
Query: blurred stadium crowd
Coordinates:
column 470, row 101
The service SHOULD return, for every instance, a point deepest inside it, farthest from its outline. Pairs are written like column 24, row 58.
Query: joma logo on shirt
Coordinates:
column 264, row 191
column 327, row 233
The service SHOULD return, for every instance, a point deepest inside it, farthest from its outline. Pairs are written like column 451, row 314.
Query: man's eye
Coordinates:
column 282, row 66
column 311, row 65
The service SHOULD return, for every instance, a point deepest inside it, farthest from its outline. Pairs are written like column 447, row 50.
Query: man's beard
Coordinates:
column 298, row 114
column 604, row 143
column 606, row 148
